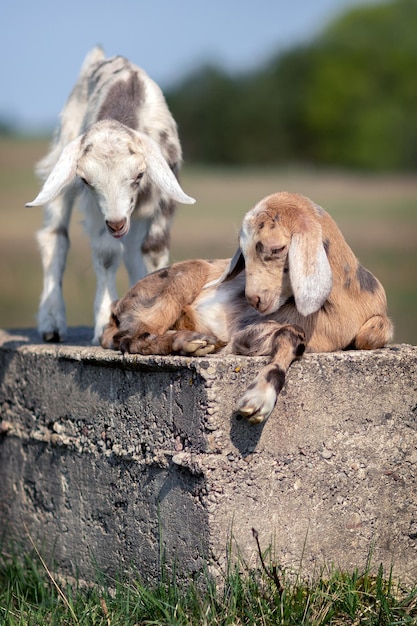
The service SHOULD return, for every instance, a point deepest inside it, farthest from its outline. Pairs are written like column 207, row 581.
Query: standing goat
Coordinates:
column 118, row 150
column 293, row 284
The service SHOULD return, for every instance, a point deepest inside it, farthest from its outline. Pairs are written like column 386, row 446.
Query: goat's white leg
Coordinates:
column 53, row 242
column 132, row 253
column 107, row 254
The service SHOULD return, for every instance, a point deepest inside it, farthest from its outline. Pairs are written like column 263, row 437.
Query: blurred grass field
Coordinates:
column 377, row 214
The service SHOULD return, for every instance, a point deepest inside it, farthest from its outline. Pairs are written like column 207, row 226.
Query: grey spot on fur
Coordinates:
column 107, row 260
column 276, row 378
column 367, row 281
column 319, row 210
column 145, row 192
column 172, row 156
column 156, row 243
column 122, row 101
column 100, row 66
column 167, row 208
column 163, row 138
column 348, row 279
column 61, row 231
column 148, row 303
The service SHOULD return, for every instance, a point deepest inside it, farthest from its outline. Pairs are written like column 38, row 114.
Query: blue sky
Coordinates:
column 43, row 42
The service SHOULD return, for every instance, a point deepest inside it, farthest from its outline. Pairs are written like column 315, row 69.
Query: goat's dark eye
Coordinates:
column 85, row 181
column 277, row 251
column 138, row 178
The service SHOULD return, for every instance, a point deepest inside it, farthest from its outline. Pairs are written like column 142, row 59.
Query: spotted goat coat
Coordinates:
column 117, row 151
column 293, row 285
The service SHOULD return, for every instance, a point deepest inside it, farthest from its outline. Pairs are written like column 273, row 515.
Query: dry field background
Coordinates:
column 377, row 214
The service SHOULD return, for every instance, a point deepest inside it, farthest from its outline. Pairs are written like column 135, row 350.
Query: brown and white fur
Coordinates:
column 118, row 150
column 293, row 285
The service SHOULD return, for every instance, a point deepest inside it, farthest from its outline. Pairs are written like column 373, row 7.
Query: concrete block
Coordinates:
column 114, row 460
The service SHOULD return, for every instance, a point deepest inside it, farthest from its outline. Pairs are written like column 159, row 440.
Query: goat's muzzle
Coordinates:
column 254, row 300
column 260, row 302
column 117, row 229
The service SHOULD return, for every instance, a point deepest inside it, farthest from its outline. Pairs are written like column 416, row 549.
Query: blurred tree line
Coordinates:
column 348, row 98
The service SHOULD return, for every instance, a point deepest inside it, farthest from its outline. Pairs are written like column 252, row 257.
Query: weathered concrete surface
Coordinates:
column 111, row 460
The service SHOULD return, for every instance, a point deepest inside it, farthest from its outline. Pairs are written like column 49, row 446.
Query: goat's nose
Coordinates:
column 254, row 300
column 116, row 227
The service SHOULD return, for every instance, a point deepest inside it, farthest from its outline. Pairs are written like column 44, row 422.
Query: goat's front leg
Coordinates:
column 53, row 242
column 283, row 344
column 106, row 259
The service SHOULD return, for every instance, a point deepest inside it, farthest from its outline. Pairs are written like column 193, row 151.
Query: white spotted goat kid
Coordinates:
column 117, row 151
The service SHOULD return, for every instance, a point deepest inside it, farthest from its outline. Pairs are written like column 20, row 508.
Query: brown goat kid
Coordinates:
column 293, row 285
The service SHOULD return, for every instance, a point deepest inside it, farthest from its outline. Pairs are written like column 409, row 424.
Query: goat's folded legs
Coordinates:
column 283, row 344
column 375, row 333
column 185, row 342
column 158, row 303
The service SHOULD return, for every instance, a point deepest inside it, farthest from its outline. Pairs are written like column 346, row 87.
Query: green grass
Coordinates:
column 377, row 214
column 30, row 594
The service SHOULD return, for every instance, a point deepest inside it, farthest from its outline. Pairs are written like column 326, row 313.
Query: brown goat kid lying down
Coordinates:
column 293, row 285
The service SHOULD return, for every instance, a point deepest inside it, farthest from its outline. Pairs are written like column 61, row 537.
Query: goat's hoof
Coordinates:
column 251, row 415
column 52, row 336
column 194, row 344
column 198, row 347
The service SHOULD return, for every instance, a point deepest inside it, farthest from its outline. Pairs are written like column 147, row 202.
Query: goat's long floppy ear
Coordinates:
column 236, row 265
column 62, row 174
column 160, row 172
column 310, row 272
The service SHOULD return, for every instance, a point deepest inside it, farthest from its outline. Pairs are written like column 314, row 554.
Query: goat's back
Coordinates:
column 114, row 88
column 356, row 295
